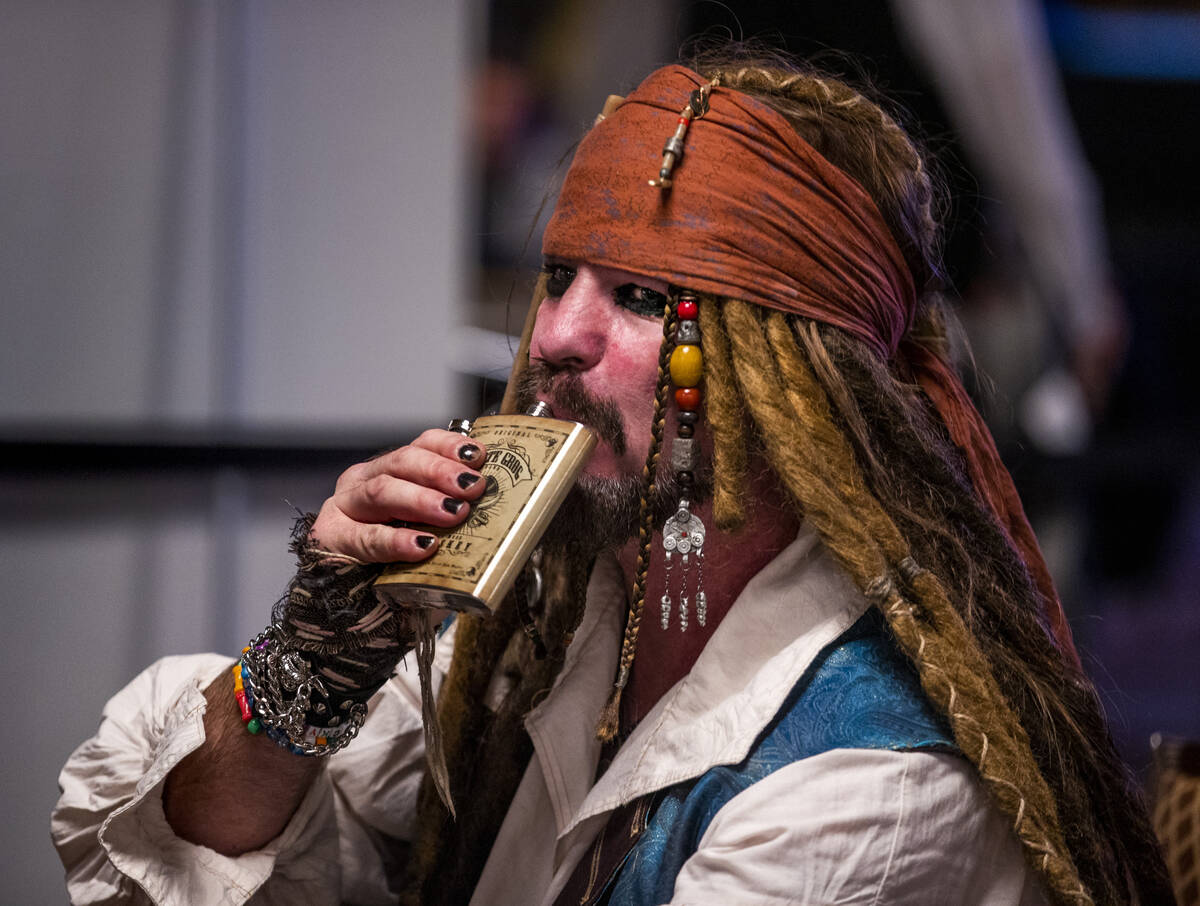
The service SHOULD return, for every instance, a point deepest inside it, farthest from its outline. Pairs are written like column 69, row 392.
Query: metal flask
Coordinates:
column 532, row 462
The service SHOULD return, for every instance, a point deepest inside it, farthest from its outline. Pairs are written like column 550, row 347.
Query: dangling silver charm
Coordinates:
column 683, row 532
column 683, row 596
column 683, row 603
column 701, row 597
column 666, row 598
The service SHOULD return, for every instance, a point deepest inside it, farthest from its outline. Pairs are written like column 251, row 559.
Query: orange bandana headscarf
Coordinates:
column 757, row 214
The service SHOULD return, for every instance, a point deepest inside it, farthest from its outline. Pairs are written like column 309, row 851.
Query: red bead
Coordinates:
column 684, row 120
column 687, row 398
column 688, row 309
column 243, row 705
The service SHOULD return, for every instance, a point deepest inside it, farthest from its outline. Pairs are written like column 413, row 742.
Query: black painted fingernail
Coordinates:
column 424, row 541
column 468, row 452
column 450, row 505
column 466, row 479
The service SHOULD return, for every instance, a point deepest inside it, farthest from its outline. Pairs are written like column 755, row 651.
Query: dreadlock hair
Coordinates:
column 868, row 464
column 865, row 460
column 487, row 748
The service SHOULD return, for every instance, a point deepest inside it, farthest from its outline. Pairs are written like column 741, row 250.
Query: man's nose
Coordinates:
column 571, row 330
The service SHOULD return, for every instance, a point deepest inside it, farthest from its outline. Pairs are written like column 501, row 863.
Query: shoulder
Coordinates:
column 854, row 793
column 859, row 692
column 860, row 825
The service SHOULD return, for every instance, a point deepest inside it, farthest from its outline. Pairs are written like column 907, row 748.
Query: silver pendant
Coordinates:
column 683, row 533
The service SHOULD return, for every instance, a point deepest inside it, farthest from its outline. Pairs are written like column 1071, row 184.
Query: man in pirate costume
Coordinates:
column 798, row 644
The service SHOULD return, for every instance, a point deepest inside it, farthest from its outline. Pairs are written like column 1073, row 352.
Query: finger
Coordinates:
column 448, row 444
column 453, row 445
column 422, row 467
column 387, row 544
column 384, row 498
column 373, row 543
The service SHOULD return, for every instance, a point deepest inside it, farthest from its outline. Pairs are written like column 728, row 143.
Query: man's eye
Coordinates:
column 640, row 300
column 558, row 278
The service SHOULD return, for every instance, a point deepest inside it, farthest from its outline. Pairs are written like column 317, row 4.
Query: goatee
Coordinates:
column 601, row 513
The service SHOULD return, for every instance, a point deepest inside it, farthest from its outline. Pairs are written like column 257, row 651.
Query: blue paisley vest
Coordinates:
column 859, row 692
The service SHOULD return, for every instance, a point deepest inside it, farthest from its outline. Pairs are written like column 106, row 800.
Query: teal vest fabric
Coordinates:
column 859, row 693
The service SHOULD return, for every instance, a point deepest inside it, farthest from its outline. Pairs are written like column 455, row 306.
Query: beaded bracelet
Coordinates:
column 312, row 741
column 252, row 723
column 275, row 692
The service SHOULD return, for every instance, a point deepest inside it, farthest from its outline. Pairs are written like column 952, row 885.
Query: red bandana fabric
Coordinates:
column 754, row 212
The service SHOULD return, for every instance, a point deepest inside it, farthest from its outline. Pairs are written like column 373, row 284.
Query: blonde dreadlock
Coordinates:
column 817, row 467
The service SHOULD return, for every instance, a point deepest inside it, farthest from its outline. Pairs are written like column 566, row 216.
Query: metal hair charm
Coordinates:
column 697, row 106
column 683, row 533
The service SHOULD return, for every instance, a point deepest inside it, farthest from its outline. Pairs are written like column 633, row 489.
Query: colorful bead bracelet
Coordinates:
column 252, row 723
column 282, row 723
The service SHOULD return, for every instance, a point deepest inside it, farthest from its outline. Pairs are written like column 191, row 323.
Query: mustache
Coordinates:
column 564, row 388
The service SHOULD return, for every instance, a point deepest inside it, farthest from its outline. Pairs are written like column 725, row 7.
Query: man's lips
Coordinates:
column 563, row 390
column 601, row 416
column 560, row 411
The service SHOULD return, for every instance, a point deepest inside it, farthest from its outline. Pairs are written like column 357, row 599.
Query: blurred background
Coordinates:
column 246, row 243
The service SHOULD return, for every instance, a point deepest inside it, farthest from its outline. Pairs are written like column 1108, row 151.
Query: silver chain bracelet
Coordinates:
column 284, row 690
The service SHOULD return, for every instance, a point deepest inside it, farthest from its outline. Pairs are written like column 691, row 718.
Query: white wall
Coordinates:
column 213, row 215
column 206, row 204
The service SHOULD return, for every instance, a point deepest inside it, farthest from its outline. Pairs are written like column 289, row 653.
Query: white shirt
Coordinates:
column 846, row 826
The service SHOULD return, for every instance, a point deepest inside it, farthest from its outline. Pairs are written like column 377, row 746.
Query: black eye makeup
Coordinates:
column 558, row 277
column 641, row 300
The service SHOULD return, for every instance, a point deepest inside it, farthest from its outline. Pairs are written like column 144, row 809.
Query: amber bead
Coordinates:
column 685, row 430
column 687, row 366
column 687, row 398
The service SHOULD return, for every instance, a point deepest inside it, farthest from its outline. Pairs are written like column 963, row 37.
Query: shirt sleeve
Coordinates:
column 860, row 826
column 117, row 847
